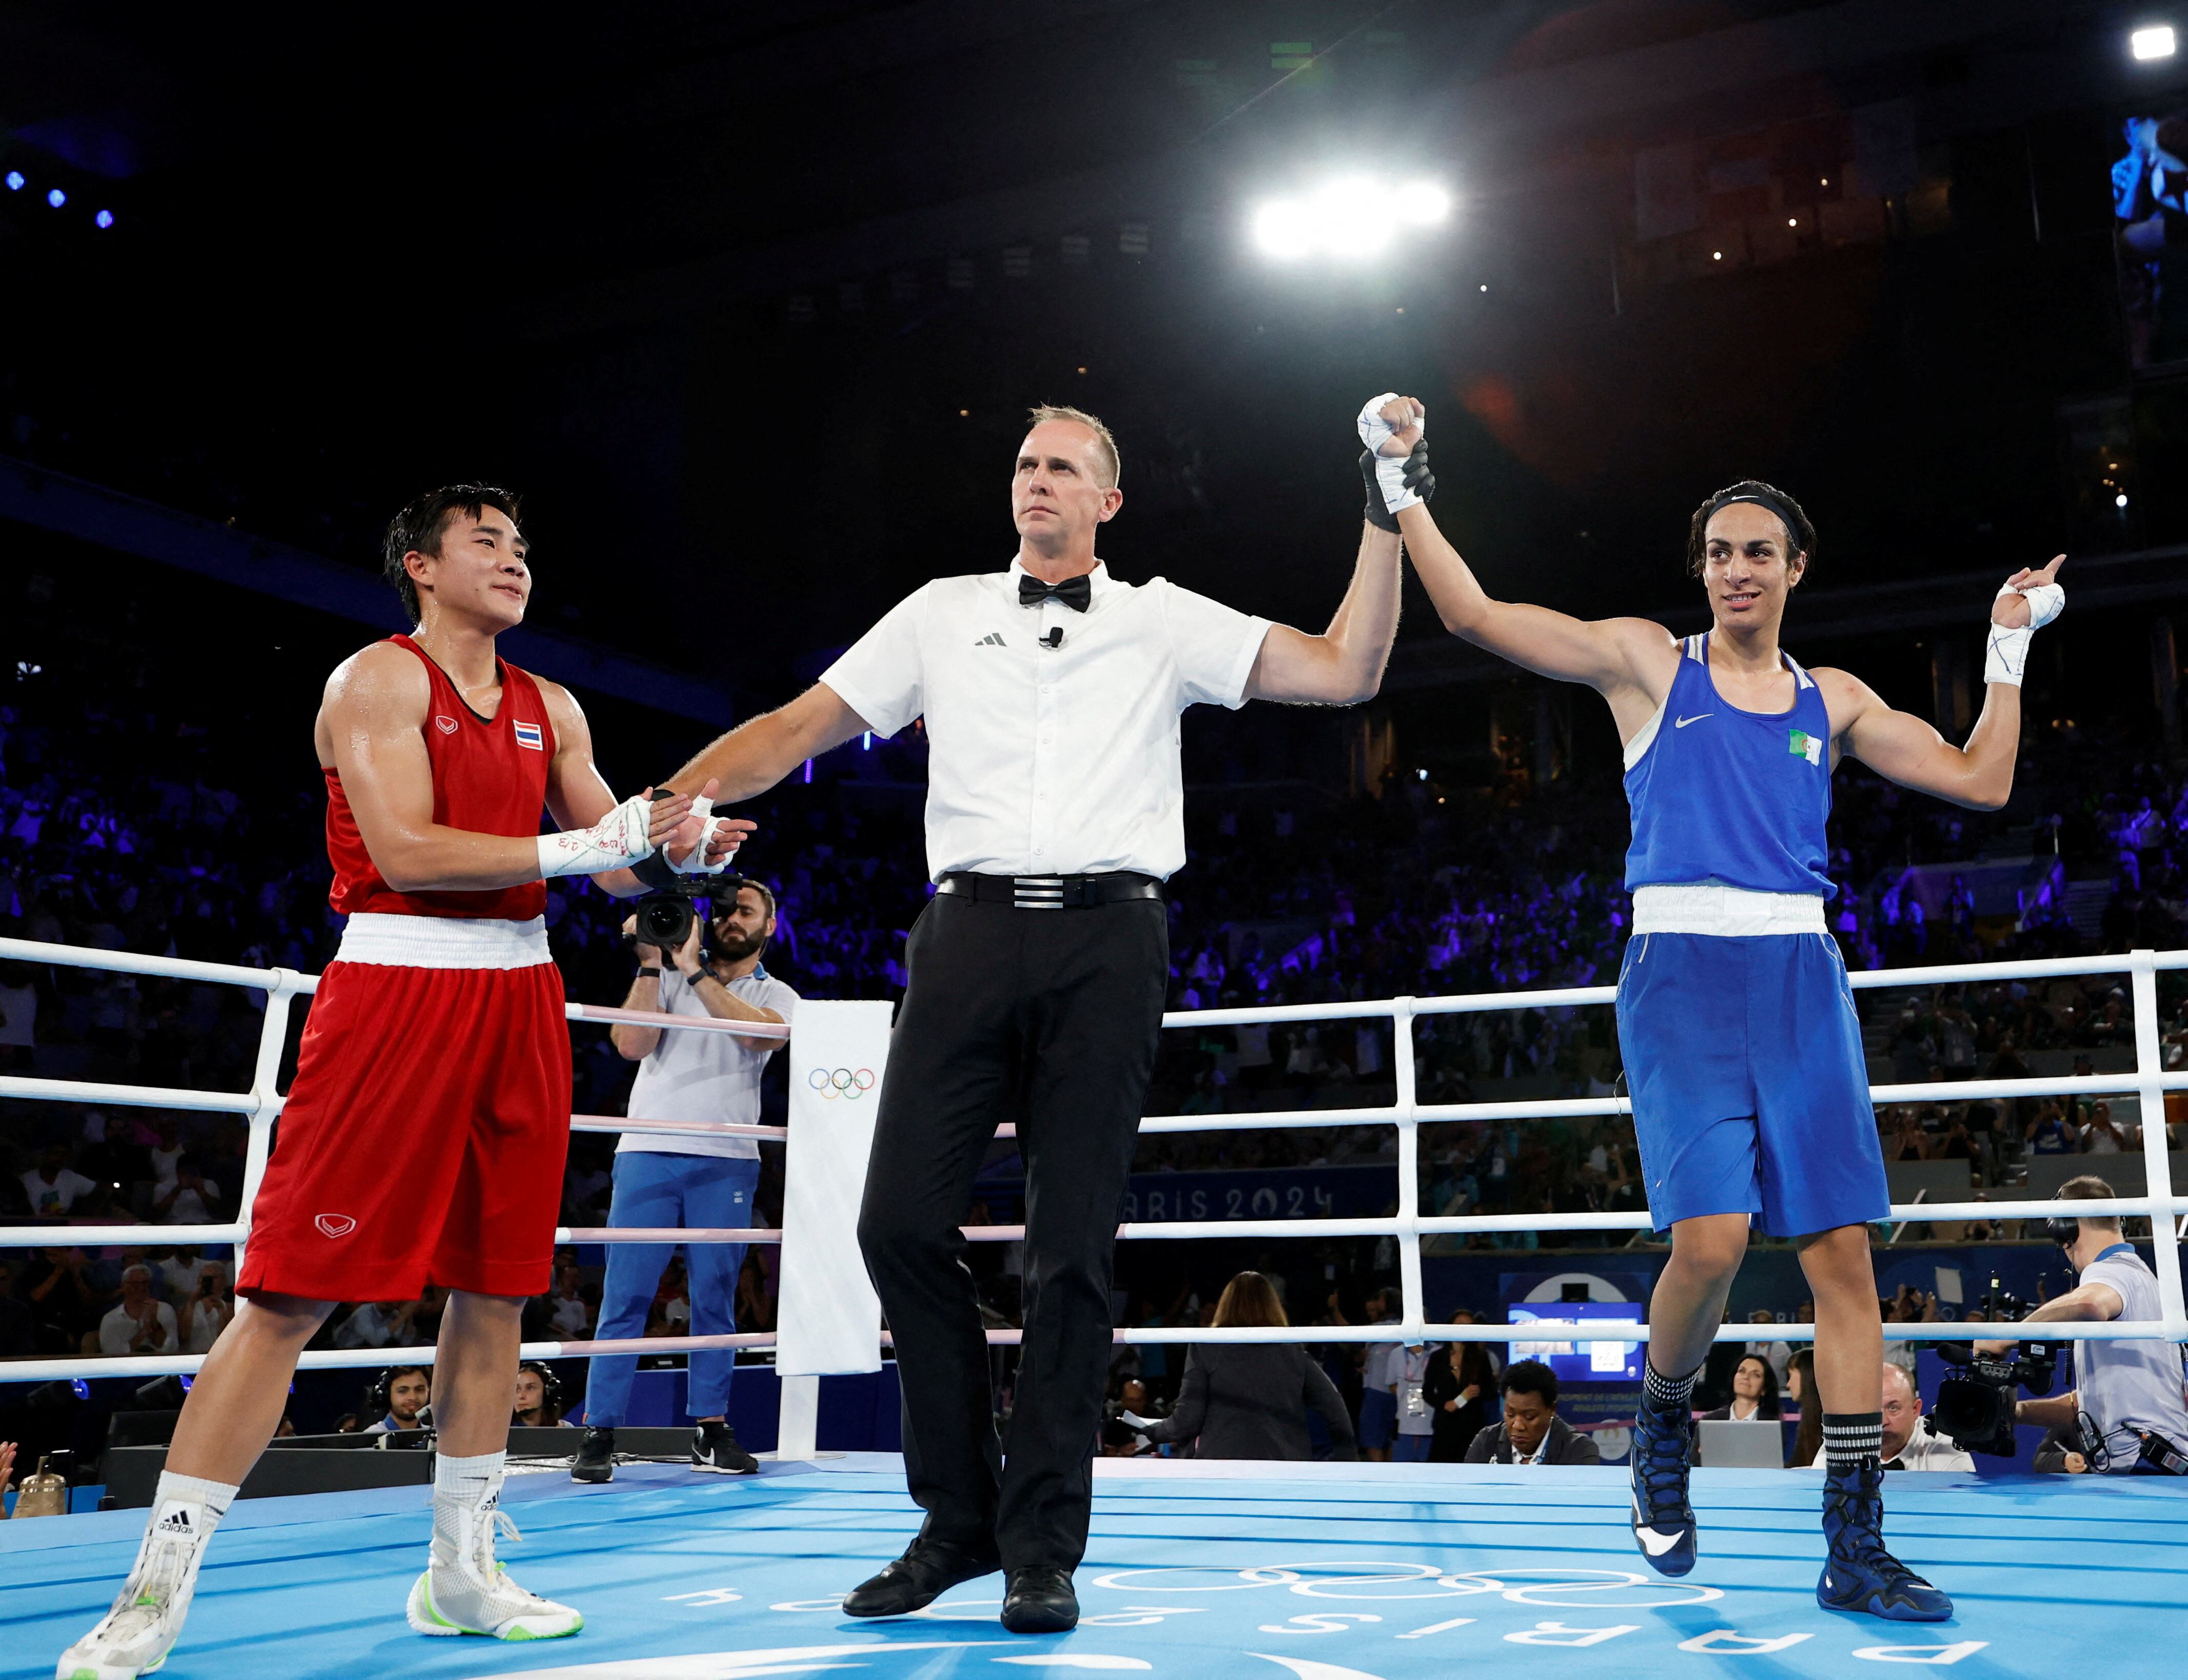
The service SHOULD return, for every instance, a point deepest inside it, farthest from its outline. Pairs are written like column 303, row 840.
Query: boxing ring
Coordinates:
column 1329, row 1571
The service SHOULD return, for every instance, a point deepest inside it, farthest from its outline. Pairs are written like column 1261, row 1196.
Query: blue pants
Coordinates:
column 1379, row 1418
column 1413, row 1449
column 1750, row 1095
column 660, row 1190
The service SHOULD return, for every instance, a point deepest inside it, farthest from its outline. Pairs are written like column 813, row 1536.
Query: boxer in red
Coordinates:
column 424, row 1137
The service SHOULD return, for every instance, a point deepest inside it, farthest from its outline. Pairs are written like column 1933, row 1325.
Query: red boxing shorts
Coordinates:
column 424, row 1137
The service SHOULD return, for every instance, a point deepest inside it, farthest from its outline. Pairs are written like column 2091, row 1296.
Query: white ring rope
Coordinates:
column 262, row 1103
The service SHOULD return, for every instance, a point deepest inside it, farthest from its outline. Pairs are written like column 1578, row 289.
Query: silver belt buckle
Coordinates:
column 1037, row 892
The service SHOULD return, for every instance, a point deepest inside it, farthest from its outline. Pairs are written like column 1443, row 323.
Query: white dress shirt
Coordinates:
column 1046, row 760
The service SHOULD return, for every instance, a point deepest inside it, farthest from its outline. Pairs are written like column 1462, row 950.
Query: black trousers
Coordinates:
column 1048, row 1018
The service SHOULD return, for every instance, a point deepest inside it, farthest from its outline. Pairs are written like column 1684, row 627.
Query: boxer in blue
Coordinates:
column 1743, row 1055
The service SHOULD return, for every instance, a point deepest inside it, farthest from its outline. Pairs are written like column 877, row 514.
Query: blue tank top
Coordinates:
column 1719, row 794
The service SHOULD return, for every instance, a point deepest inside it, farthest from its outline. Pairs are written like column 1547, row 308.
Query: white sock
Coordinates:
column 475, row 1481
column 184, row 1508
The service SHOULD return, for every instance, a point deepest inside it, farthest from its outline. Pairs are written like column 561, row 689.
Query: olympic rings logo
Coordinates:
column 849, row 1084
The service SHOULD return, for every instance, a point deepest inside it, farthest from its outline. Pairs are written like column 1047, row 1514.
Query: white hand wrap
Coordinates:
column 1390, row 470
column 616, row 840
column 2006, row 655
column 696, row 864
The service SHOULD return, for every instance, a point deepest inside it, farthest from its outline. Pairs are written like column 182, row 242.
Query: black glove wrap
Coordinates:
column 1417, row 479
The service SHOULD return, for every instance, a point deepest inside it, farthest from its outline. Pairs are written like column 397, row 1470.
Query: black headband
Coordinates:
column 1777, row 504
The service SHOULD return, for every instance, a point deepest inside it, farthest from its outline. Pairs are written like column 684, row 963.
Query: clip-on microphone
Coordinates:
column 1054, row 638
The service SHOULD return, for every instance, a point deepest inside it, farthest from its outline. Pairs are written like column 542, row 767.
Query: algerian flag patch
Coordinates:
column 1803, row 745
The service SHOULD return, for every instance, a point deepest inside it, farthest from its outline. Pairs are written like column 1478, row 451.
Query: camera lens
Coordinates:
column 664, row 919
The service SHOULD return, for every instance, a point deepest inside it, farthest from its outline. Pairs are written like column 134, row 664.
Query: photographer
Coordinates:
column 664, row 1180
column 2127, row 1401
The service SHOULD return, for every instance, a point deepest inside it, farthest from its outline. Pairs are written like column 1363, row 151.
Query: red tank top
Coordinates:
column 489, row 777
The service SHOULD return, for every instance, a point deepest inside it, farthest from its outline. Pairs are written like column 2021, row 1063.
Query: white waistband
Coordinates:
column 1713, row 907
column 443, row 942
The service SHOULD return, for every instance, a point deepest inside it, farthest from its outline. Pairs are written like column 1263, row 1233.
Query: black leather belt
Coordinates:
column 1049, row 891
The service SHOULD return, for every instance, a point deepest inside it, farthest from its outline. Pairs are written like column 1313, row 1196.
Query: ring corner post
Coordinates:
column 1407, row 1116
column 2157, row 1165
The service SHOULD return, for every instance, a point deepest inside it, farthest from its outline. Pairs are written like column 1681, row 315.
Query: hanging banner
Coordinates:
column 827, row 1317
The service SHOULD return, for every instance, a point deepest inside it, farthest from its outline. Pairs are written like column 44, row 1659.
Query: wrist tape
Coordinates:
column 2006, row 655
column 696, row 864
column 1390, row 470
column 616, row 840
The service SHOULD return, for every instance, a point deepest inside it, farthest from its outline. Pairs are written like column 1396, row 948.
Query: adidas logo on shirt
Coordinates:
column 993, row 639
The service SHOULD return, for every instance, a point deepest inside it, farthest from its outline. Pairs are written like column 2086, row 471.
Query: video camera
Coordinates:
column 1974, row 1407
column 662, row 918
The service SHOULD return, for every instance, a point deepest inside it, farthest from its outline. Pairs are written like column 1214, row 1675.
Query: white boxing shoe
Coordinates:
column 464, row 1590
column 136, row 1635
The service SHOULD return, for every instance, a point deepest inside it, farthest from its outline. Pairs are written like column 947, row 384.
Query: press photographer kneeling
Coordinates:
column 2126, row 1406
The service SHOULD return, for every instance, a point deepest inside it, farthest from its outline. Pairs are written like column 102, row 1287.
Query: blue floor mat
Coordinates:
column 1333, row 1573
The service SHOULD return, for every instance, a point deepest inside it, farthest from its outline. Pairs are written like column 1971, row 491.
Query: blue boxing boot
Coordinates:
column 1858, row 1574
column 1663, row 1520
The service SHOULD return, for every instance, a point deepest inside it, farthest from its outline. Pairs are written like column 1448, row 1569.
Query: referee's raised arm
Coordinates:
column 760, row 752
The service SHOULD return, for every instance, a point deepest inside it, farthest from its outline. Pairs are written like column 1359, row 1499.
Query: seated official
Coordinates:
column 1907, row 1444
column 664, row 1180
column 1531, row 1432
column 400, row 1396
column 1250, row 1401
column 536, row 1403
column 2129, row 1391
column 1754, row 1392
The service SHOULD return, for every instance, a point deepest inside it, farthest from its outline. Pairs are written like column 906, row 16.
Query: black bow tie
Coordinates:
column 1074, row 592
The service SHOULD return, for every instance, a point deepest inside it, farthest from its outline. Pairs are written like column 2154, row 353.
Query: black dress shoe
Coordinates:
column 1040, row 1601
column 923, row 1573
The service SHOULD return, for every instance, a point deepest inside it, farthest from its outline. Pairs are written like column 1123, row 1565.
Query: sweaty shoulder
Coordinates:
column 382, row 675
column 382, row 687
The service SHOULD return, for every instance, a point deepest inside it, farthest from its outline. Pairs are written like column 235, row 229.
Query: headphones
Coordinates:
column 551, row 1385
column 382, row 1393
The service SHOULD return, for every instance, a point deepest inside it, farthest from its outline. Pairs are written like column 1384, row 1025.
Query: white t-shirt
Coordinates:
column 704, row 1076
column 208, row 1318
column 2130, row 1386
column 1409, row 1369
column 47, row 1200
column 1046, row 760
column 118, row 1329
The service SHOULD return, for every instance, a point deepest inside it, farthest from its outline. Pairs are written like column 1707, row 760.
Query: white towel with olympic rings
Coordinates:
column 827, row 1318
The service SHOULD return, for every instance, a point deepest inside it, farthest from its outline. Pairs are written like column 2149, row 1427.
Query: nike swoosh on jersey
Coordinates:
column 1681, row 722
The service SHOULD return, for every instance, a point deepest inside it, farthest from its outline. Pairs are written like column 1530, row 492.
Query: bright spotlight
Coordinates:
column 57, row 198
column 2156, row 41
column 1283, row 228
column 104, row 219
column 1353, row 218
column 15, row 181
column 1423, row 203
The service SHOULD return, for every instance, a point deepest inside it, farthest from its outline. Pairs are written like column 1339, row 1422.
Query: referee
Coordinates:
column 1051, row 693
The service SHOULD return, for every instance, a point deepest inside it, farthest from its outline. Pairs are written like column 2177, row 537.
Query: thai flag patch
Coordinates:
column 527, row 734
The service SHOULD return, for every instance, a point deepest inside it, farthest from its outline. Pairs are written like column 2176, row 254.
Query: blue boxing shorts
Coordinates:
column 1749, row 1087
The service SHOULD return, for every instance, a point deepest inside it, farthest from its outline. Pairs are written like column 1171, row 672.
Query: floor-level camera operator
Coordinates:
column 2126, row 1409
column 703, row 964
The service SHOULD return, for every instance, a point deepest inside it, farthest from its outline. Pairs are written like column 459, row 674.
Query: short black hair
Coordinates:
column 423, row 521
column 1531, row 1376
column 1797, row 527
